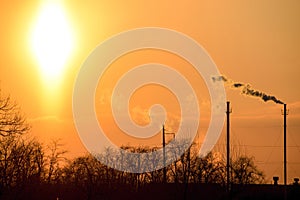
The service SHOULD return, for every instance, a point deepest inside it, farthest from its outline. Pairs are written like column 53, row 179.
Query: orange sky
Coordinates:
column 253, row 42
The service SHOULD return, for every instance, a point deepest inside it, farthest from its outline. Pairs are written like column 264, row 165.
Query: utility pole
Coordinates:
column 228, row 111
column 164, row 154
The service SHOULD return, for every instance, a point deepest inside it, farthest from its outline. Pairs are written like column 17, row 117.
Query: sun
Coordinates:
column 52, row 40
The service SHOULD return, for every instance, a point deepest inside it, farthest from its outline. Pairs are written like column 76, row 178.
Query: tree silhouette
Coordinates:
column 11, row 121
column 21, row 162
column 244, row 171
column 209, row 169
column 30, row 170
column 54, row 159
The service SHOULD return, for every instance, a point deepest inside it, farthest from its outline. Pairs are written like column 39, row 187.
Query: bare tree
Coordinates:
column 209, row 169
column 21, row 161
column 54, row 161
column 11, row 121
column 86, row 174
column 244, row 171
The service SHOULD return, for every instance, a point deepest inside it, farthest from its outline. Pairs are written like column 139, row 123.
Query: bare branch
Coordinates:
column 11, row 121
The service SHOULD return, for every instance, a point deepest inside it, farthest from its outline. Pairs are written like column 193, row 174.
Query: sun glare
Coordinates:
column 52, row 40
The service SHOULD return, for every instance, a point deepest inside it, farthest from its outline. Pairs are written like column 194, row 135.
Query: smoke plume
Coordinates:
column 247, row 90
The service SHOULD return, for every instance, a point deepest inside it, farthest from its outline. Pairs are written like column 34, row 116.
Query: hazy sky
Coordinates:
column 254, row 42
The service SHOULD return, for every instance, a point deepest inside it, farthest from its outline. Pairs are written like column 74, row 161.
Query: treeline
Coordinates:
column 26, row 165
column 30, row 170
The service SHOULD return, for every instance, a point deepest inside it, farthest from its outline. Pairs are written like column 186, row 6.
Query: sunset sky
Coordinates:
column 255, row 42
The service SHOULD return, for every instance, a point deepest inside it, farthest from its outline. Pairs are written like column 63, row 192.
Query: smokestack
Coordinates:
column 284, row 143
column 284, row 150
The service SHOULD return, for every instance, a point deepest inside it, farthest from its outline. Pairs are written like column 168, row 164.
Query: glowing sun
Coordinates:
column 52, row 40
